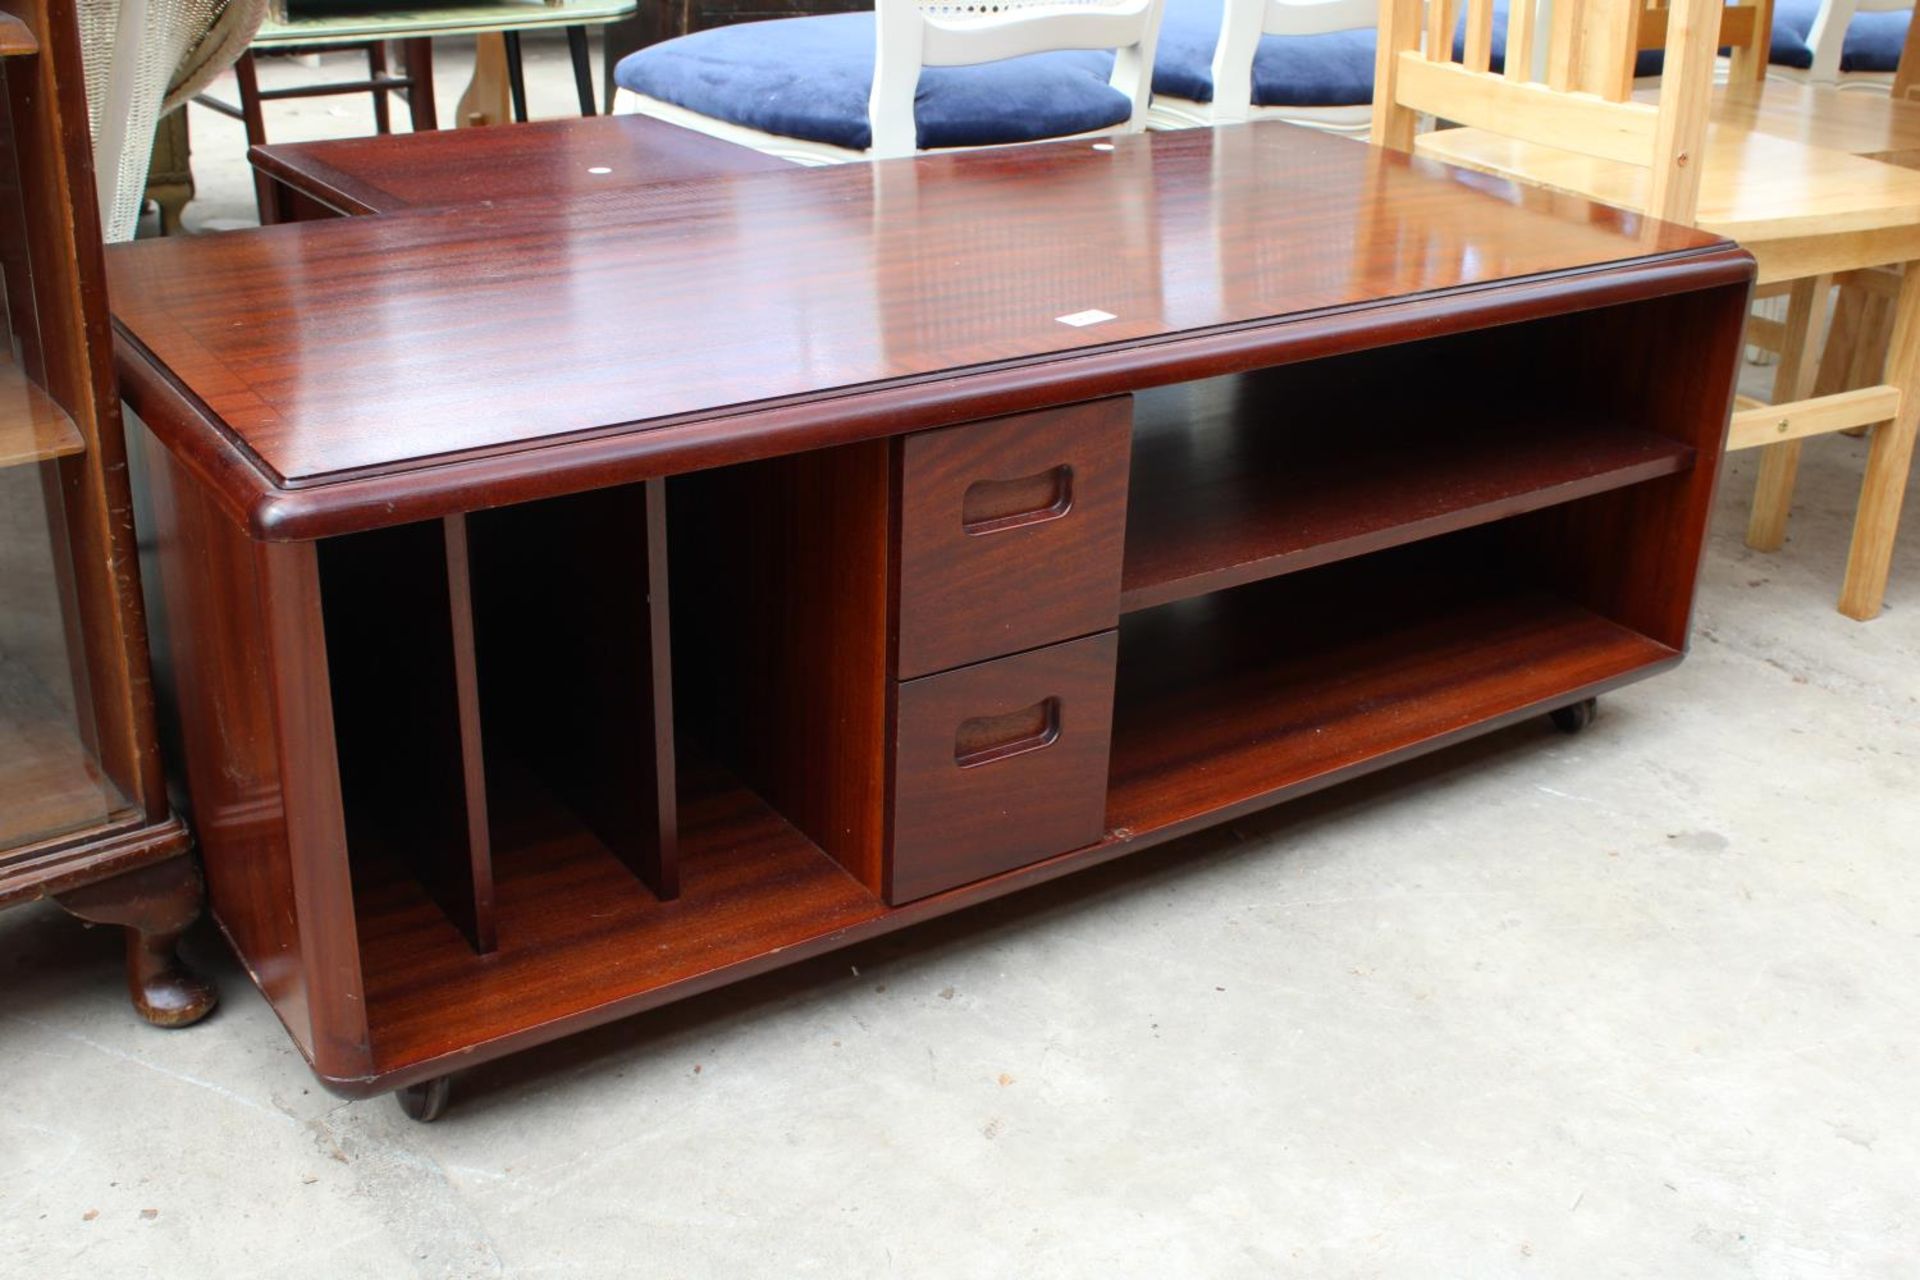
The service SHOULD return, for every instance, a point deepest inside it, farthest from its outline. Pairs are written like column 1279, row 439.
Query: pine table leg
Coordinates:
column 1888, row 463
column 1793, row 380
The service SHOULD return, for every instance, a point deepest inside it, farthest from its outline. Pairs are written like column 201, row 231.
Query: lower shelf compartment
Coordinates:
column 1228, row 704
column 578, row 931
column 1224, row 703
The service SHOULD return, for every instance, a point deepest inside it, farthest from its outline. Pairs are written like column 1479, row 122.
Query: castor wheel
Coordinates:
column 1576, row 717
column 425, row 1101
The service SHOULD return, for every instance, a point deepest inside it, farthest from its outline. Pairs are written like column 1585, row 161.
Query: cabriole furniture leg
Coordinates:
column 154, row 904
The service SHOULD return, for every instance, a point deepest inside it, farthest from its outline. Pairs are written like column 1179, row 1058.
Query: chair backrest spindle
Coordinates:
column 1478, row 50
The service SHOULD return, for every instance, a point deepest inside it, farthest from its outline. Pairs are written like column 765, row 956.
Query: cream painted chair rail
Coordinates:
column 1806, row 214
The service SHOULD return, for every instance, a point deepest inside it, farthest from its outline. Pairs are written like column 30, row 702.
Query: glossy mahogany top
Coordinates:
column 324, row 352
column 566, row 159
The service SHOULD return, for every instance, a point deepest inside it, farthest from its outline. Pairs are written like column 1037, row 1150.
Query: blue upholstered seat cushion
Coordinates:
column 1334, row 70
column 810, row 78
column 1872, row 44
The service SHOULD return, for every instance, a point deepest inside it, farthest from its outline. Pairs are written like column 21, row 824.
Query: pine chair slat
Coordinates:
column 1479, row 44
column 1441, row 18
column 1597, row 119
column 1604, row 64
column 1746, row 30
column 1563, row 44
column 1804, row 212
column 1519, row 51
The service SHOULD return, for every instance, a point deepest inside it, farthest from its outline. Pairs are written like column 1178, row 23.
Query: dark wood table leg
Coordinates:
column 617, row 40
column 516, row 75
column 154, row 904
column 376, row 73
column 250, row 116
column 582, row 67
column 418, row 56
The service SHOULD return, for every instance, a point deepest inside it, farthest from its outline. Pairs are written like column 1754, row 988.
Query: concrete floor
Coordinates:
column 1644, row 1002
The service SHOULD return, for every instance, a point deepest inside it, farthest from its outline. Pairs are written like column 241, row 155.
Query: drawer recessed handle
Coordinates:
column 985, row 739
column 992, row 506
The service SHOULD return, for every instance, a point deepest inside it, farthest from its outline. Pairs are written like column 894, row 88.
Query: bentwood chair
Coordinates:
column 912, row 75
column 1803, row 212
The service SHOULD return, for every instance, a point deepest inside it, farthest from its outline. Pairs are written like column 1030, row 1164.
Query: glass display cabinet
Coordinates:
column 84, row 815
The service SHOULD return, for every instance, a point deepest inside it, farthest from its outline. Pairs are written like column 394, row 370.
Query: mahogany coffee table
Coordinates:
column 585, row 600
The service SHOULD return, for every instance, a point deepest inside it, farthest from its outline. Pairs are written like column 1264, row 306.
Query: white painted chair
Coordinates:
column 913, row 75
column 1849, row 43
column 1306, row 61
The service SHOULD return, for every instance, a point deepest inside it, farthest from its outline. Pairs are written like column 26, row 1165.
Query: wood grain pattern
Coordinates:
column 620, row 457
column 1018, row 801
column 1256, row 475
column 401, row 714
column 1039, row 563
column 578, row 933
column 62, row 863
column 1754, row 186
column 291, row 606
column 218, row 637
column 324, row 355
column 547, row 158
column 1861, row 124
column 783, row 628
column 1234, row 701
column 787, row 496
column 569, row 596
column 1634, row 554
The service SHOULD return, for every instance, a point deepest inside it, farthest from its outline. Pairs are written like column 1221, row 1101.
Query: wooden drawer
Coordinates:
column 1000, row 764
column 1010, row 534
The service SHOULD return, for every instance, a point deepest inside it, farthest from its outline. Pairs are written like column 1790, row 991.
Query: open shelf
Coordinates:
column 1231, row 701
column 399, row 642
column 1247, row 477
column 577, row 930
column 50, row 783
column 32, row 427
